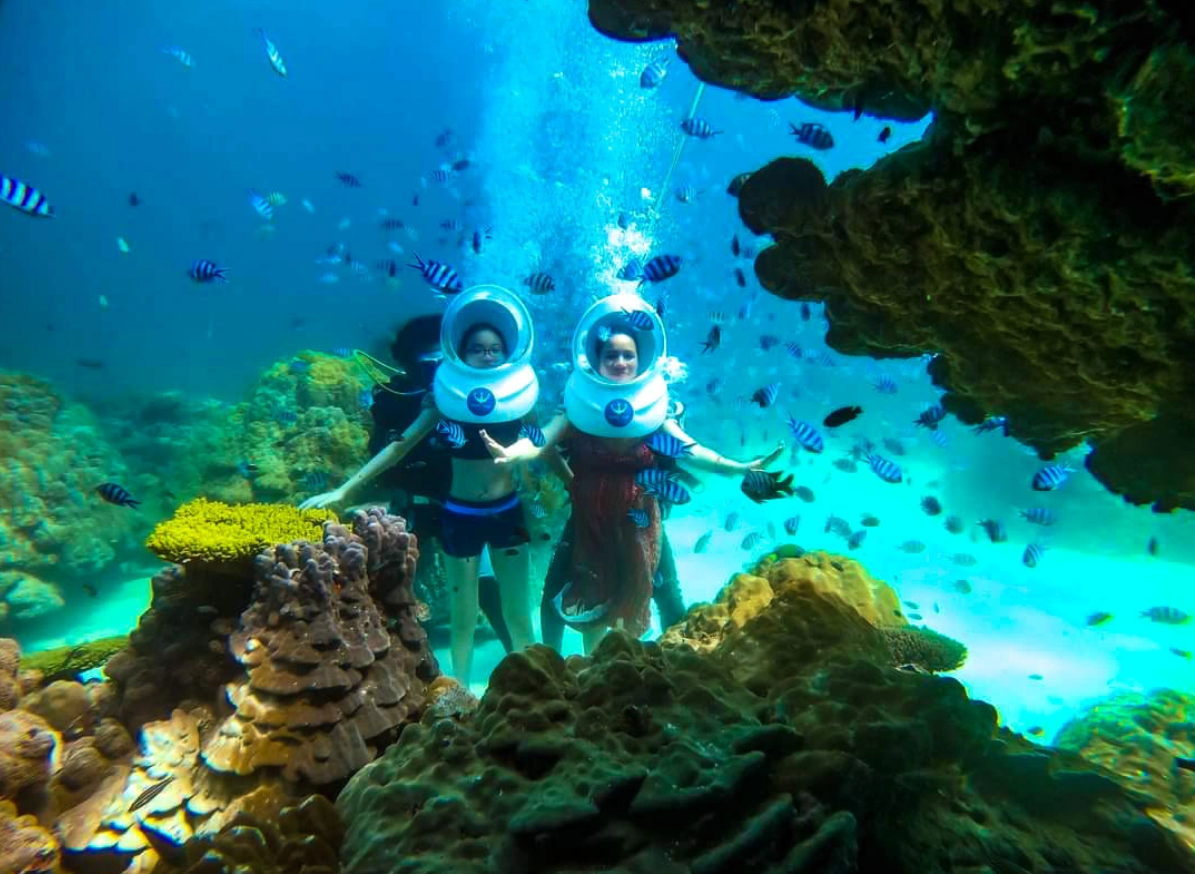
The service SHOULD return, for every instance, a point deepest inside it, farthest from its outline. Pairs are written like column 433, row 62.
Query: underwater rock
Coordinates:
column 1034, row 241
column 789, row 745
column 1137, row 736
column 25, row 847
column 27, row 746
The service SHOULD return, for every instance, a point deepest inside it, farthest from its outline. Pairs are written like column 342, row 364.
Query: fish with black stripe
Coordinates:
column 813, row 135
column 540, row 283
column 699, row 128
column 764, row 485
column 659, row 483
column 653, row 74
column 660, row 268
column 272, row 53
column 24, row 197
column 204, row 271
column 451, row 433
column 114, row 493
column 439, row 276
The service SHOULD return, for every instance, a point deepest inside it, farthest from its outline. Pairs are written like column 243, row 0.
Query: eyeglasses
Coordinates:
column 492, row 351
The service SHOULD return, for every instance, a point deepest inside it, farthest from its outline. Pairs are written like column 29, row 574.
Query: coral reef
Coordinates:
column 214, row 533
column 1035, row 241
column 301, row 839
column 789, row 744
column 25, row 596
column 25, row 847
column 67, row 662
column 1138, row 736
column 322, row 678
column 54, row 457
column 924, row 648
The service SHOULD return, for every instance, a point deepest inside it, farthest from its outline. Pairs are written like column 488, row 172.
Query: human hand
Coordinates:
column 760, row 463
column 502, row 454
column 325, row 499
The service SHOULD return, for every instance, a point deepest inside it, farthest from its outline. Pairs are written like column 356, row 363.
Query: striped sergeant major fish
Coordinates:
column 659, row 483
column 272, row 53
column 653, row 74
column 886, row 470
column 1032, row 555
column 660, row 268
column 540, row 283
column 452, row 433
column 261, row 205
column 114, row 493
column 203, row 270
column 180, row 55
column 1051, row 477
column 24, row 197
column 637, row 319
column 439, row 276
column 699, row 128
column 813, row 135
column 663, row 443
column 534, row 434
column 639, row 517
column 808, row 437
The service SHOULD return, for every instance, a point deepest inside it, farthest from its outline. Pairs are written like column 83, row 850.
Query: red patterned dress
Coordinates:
column 614, row 560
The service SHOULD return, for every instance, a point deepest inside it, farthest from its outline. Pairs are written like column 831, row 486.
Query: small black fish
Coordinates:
column 869, row 521
column 735, row 246
column 736, row 184
column 479, row 237
column 713, row 340
column 885, row 134
column 805, row 494
column 91, row 590
column 149, row 794
column 813, row 135
column 1152, row 546
column 806, row 312
column 699, row 128
column 348, row 179
column 134, row 200
column 766, row 396
column 462, row 164
column 841, row 416
column 116, row 494
column 954, row 524
column 740, row 277
column 392, row 224
column 90, row 363
column 764, row 485
column 931, row 505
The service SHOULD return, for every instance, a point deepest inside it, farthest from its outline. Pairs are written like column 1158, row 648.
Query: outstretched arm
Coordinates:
column 523, row 449
column 384, row 460
column 711, row 460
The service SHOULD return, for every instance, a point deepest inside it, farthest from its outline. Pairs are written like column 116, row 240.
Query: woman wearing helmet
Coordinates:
column 484, row 381
column 615, row 400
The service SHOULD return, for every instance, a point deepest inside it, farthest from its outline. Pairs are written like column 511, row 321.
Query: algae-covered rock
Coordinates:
column 67, row 662
column 1036, row 242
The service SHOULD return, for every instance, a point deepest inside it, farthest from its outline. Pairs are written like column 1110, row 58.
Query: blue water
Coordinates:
column 561, row 139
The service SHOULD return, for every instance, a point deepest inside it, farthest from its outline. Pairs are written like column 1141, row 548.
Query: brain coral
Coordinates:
column 51, row 459
column 1036, row 241
column 216, row 533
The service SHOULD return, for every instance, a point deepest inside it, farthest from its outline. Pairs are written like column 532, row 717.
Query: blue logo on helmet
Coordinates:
column 480, row 402
column 619, row 413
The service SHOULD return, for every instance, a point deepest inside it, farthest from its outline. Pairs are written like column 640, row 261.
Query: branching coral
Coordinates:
column 924, row 648
column 216, row 533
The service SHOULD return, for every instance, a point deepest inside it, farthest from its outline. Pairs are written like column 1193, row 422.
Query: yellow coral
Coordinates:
column 67, row 662
column 218, row 533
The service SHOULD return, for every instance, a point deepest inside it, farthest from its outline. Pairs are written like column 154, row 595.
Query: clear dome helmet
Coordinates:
column 482, row 395
column 600, row 406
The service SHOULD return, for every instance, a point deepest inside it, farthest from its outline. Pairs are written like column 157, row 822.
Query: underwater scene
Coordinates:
column 625, row 435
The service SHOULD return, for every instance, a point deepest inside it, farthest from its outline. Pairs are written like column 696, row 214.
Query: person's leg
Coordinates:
column 491, row 604
column 462, row 590
column 551, row 626
column 666, row 591
column 512, row 566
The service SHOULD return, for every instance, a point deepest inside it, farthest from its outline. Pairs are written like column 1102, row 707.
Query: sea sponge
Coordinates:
column 924, row 648
column 67, row 662
column 218, row 533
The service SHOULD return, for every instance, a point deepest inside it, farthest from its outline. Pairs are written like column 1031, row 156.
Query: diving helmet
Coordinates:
column 486, row 395
column 599, row 406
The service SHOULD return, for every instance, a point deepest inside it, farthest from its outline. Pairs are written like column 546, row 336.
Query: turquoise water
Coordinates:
column 562, row 140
